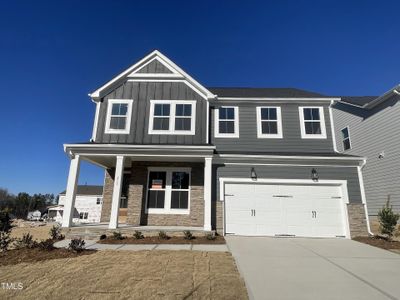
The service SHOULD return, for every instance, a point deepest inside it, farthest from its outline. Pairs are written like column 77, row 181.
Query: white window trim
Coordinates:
column 128, row 116
column 168, row 192
column 172, row 117
column 217, row 134
column 261, row 135
column 349, row 138
column 322, row 135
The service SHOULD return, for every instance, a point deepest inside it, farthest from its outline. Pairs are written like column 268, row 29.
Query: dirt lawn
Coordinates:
column 128, row 275
column 38, row 233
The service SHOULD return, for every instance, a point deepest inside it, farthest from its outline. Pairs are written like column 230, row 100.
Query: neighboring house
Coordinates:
column 247, row 161
column 369, row 126
column 34, row 215
column 88, row 205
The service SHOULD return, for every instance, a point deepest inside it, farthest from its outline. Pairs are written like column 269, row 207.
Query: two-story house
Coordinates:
column 369, row 126
column 246, row 161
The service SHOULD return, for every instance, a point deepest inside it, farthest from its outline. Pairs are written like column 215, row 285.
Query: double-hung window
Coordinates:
column 168, row 191
column 172, row 117
column 312, row 122
column 269, row 122
column 119, row 112
column 83, row 215
column 346, row 138
column 227, row 122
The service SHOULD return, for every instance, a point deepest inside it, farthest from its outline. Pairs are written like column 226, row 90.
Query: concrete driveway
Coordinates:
column 299, row 268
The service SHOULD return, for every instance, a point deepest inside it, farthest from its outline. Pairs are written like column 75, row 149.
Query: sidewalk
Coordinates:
column 89, row 244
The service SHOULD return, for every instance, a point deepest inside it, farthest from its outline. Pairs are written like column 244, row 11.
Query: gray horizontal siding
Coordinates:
column 142, row 93
column 291, row 141
column 155, row 67
column 370, row 136
column 292, row 172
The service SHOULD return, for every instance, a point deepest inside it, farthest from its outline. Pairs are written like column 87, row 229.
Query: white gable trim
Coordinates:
column 161, row 62
column 155, row 54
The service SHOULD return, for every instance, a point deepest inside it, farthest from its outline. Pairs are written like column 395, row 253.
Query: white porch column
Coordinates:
column 116, row 196
column 70, row 194
column 207, row 192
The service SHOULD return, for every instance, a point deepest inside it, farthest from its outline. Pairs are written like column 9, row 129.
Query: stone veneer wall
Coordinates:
column 137, row 197
column 219, row 212
column 357, row 219
column 107, row 195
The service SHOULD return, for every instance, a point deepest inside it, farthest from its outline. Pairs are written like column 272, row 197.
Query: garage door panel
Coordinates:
column 301, row 210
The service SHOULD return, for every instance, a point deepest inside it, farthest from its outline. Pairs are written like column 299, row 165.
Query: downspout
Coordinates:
column 363, row 197
column 333, row 127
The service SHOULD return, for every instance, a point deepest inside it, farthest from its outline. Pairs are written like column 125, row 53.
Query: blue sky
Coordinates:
column 53, row 53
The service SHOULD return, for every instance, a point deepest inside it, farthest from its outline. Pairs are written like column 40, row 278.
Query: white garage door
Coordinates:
column 296, row 210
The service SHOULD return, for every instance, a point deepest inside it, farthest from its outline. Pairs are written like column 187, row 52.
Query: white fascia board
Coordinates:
column 245, row 156
column 155, row 54
column 382, row 98
column 156, row 147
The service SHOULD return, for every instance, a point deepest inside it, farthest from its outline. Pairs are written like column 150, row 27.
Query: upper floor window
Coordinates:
column 269, row 122
column 312, row 122
column 227, row 121
column 346, row 138
column 119, row 113
column 172, row 117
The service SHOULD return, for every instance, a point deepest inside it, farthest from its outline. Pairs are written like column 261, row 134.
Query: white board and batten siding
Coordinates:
column 258, row 209
column 85, row 204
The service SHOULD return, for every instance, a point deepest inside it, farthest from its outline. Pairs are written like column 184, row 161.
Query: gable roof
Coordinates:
column 132, row 71
column 88, row 190
column 358, row 100
column 247, row 92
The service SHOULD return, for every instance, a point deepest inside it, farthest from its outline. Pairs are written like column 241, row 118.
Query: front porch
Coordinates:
column 163, row 187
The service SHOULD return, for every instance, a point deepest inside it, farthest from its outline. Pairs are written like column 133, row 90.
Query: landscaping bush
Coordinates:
column 188, row 235
column 163, row 235
column 103, row 237
column 387, row 220
column 5, row 229
column 46, row 245
column 55, row 233
column 138, row 235
column 5, row 221
column 211, row 236
column 25, row 242
column 117, row 235
column 76, row 245
column 5, row 240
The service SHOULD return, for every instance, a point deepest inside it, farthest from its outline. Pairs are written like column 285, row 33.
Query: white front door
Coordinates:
column 270, row 209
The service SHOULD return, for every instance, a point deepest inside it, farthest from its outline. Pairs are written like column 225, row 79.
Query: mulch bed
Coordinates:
column 157, row 240
column 378, row 241
column 26, row 255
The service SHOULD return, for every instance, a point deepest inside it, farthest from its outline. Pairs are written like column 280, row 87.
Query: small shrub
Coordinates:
column 25, row 242
column 5, row 221
column 76, row 245
column 117, row 235
column 55, row 233
column 138, row 235
column 188, row 235
column 103, row 237
column 163, row 235
column 46, row 245
column 387, row 220
column 5, row 240
column 211, row 236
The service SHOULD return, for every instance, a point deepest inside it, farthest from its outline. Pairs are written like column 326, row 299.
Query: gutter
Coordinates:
column 382, row 98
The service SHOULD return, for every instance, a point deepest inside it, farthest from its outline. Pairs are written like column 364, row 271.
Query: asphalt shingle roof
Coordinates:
column 88, row 190
column 247, row 92
column 358, row 100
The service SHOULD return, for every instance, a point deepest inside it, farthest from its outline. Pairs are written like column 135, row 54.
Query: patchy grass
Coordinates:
column 378, row 241
column 157, row 240
column 38, row 233
column 128, row 275
column 25, row 255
